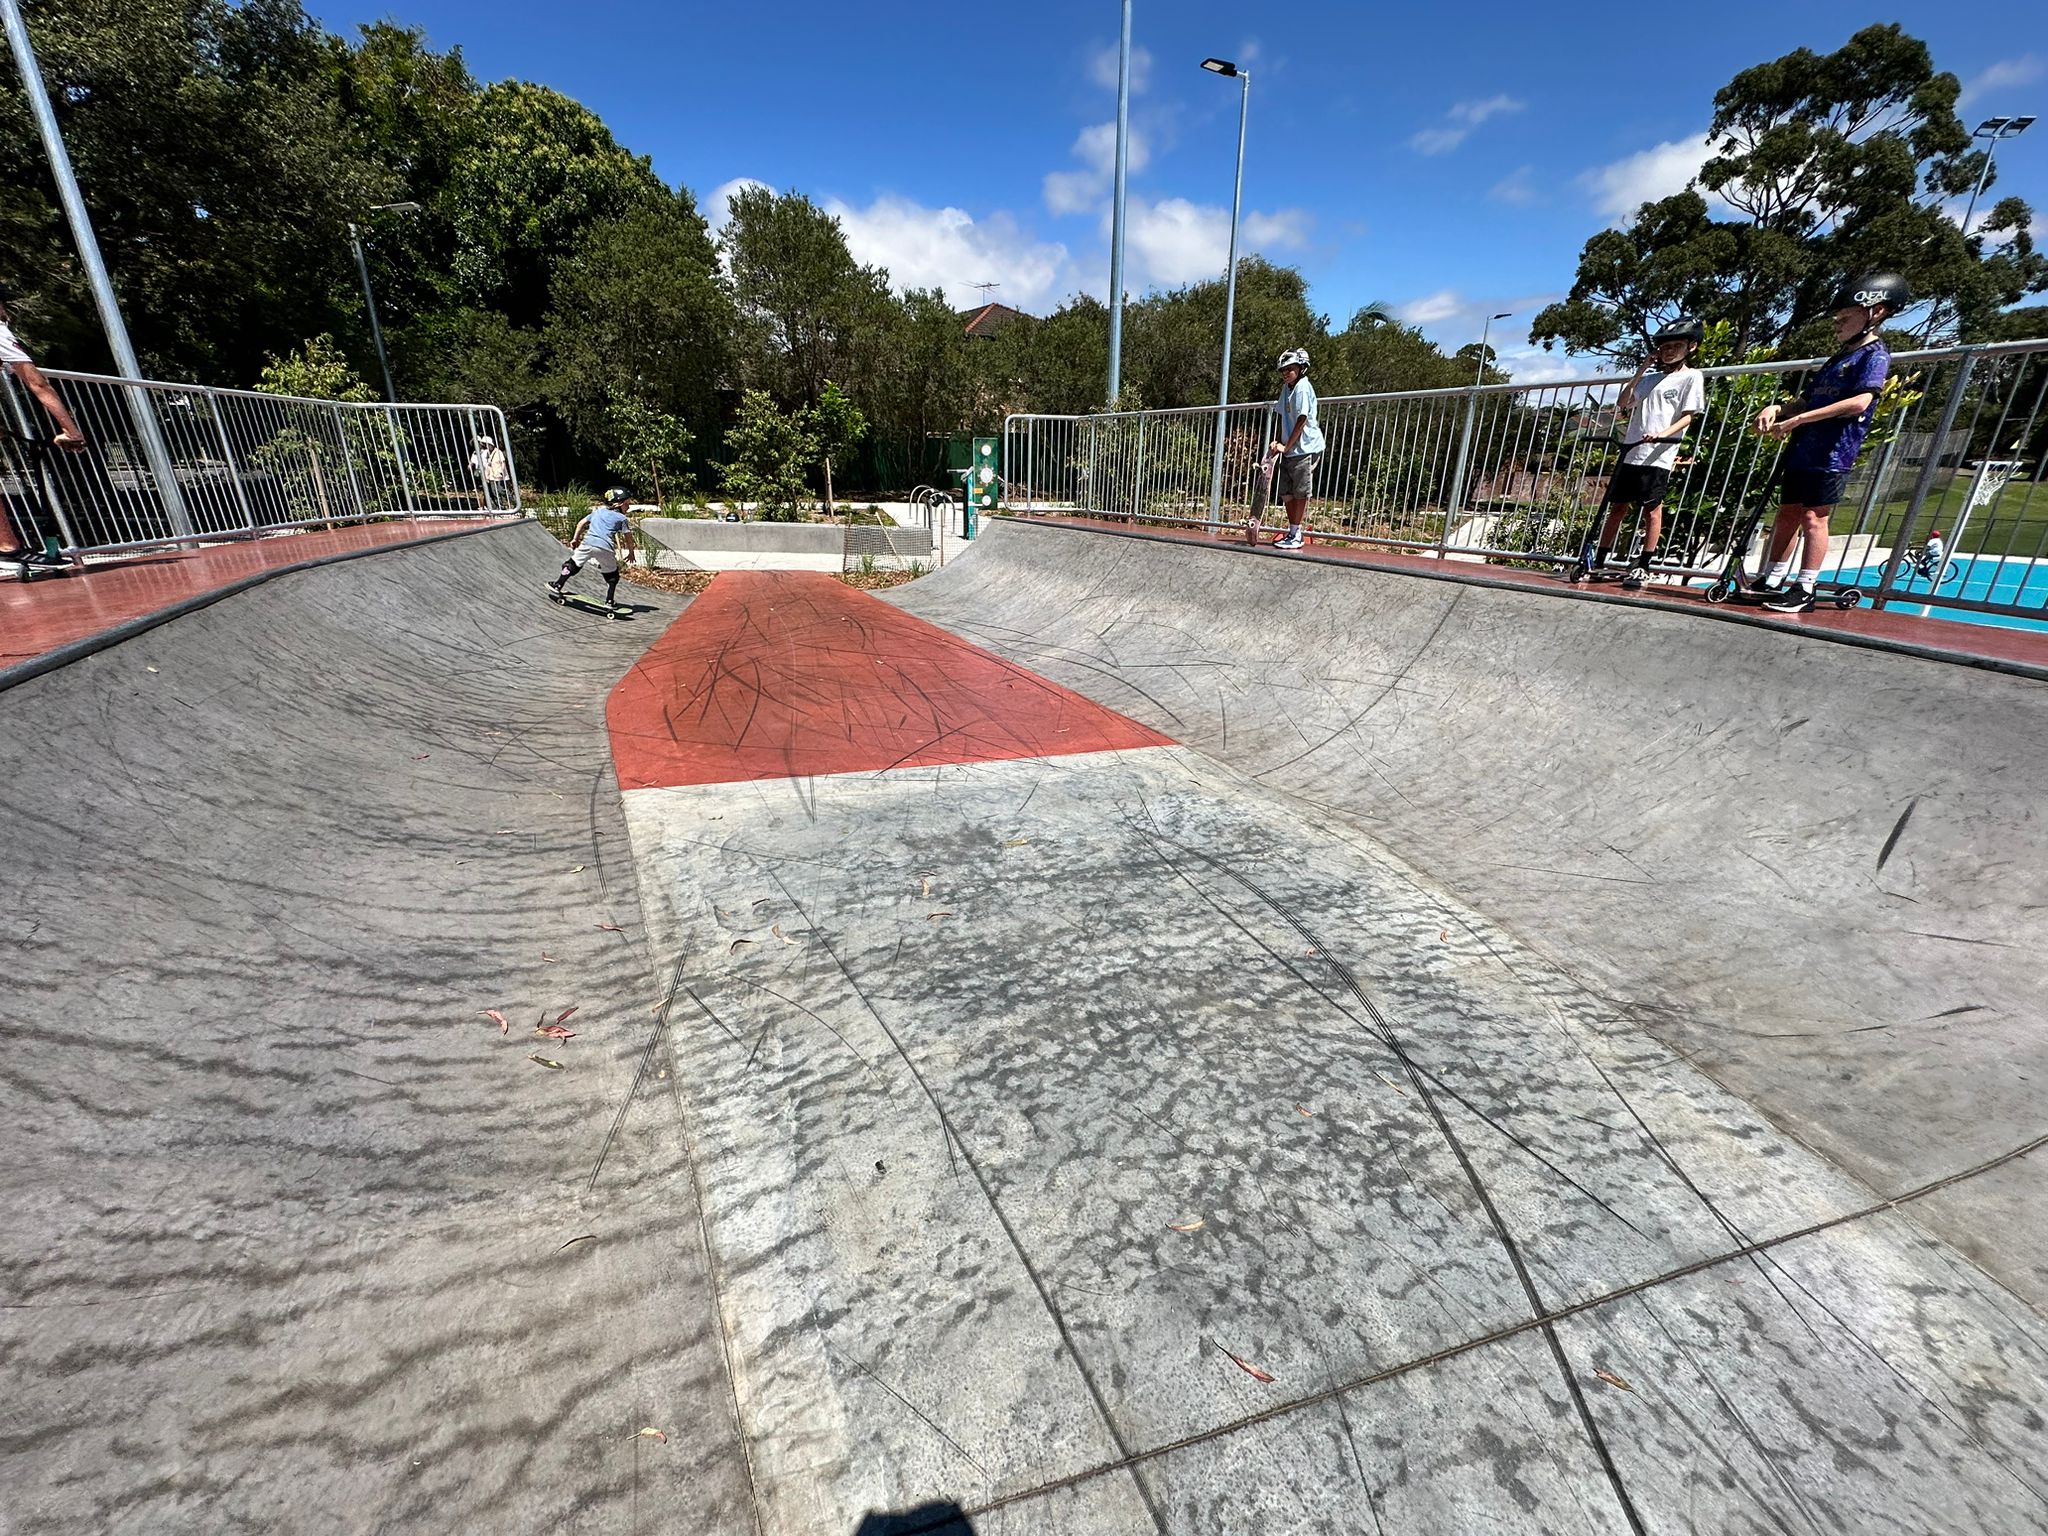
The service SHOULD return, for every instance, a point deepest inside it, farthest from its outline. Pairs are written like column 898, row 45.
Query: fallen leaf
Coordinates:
column 933, row 917
column 1613, row 1380
column 149, row 669
column 563, row 1016
column 652, row 1434
column 588, row 1237
column 1308, row 954
column 1391, row 1084
column 579, row 869
column 1247, row 1367
column 1443, row 935
column 421, row 757
column 555, row 1032
column 1185, row 1226
column 609, row 928
column 555, row 1065
column 777, row 931
column 662, row 1073
column 736, row 943
column 548, row 959
column 504, row 1027
column 1300, row 1111
column 1017, row 842
column 925, row 887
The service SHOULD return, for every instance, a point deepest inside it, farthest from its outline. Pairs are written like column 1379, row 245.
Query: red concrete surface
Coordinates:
column 781, row 674
column 1964, row 642
column 36, row 617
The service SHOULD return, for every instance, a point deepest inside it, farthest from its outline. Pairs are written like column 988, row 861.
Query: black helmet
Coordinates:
column 1872, row 289
column 1684, row 328
column 616, row 496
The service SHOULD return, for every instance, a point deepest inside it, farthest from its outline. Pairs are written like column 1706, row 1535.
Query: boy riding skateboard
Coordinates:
column 602, row 536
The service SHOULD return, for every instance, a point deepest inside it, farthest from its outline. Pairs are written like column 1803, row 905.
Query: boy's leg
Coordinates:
column 570, row 567
column 611, row 587
column 1653, row 529
column 1610, row 531
column 1784, row 534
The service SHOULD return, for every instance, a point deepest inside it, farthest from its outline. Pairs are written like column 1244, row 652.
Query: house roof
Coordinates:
column 990, row 318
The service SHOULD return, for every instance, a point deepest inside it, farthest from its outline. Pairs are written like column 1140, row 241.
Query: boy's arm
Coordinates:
column 1627, row 402
column 582, row 528
column 33, row 380
column 1848, row 405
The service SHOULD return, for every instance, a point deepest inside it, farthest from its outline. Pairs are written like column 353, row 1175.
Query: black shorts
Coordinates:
column 1812, row 487
column 1639, row 485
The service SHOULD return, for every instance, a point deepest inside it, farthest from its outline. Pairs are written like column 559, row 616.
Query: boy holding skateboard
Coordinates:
column 1663, row 400
column 1826, row 426
column 1300, row 444
column 28, row 551
column 602, row 536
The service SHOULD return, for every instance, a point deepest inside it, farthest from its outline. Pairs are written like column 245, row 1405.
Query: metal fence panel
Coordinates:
column 244, row 462
column 1514, row 473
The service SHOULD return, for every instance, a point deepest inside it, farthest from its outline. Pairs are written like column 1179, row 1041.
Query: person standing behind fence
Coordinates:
column 602, row 536
column 1300, row 444
column 1827, row 427
column 27, row 546
column 494, row 471
column 1663, row 400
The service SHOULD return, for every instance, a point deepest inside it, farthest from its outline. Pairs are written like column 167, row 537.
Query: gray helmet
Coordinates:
column 1684, row 328
column 1873, row 289
column 1294, row 357
column 616, row 496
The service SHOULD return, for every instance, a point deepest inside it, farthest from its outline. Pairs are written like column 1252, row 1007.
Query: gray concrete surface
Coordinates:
column 970, row 1047
column 295, row 1240
column 1820, row 873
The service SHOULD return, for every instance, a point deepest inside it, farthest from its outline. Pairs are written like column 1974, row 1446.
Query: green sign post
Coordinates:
column 984, row 485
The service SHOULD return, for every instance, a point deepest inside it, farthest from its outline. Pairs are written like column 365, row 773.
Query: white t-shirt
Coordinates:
column 10, row 348
column 1661, row 398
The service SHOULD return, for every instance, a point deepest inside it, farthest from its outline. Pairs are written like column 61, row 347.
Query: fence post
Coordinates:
column 398, row 454
column 1089, row 499
column 227, row 453
column 348, row 459
column 1455, row 502
column 1924, row 481
column 1138, row 474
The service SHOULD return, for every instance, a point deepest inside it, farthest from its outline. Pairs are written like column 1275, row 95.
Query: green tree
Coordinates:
column 835, row 425
column 311, row 450
column 1833, row 163
column 803, row 300
column 315, row 371
column 648, row 442
column 1381, row 356
column 769, row 452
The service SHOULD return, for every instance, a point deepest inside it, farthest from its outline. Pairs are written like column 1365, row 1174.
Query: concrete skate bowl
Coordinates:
column 296, row 1238
column 1817, row 871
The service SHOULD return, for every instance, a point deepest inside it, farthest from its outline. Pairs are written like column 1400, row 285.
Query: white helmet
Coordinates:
column 1294, row 357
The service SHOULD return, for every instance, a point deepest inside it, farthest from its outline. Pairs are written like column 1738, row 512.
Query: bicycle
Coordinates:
column 1919, row 561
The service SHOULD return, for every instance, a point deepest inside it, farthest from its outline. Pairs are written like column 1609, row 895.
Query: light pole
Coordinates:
column 1244, row 102
column 1116, row 217
column 1993, row 129
column 355, row 240
column 154, row 449
column 1484, row 331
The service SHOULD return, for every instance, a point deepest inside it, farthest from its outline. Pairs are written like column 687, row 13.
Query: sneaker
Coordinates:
column 1290, row 541
column 1760, row 585
column 1793, row 599
column 1633, row 581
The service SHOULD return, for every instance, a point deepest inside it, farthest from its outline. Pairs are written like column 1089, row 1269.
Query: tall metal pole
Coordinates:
column 1116, row 224
column 147, row 427
column 1479, row 377
column 355, row 240
column 1244, row 105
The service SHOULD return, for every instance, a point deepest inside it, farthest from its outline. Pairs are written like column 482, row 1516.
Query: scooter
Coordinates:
column 1730, row 585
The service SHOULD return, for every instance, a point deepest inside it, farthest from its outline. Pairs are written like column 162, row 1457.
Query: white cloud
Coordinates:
column 1622, row 186
column 1102, row 67
column 2024, row 70
column 1516, row 188
column 718, row 206
column 1533, row 365
column 1431, row 309
column 1082, row 191
column 1464, row 117
column 948, row 248
column 1173, row 242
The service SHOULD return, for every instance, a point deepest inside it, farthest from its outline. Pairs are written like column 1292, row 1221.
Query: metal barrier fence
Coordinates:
column 1515, row 474
column 182, row 463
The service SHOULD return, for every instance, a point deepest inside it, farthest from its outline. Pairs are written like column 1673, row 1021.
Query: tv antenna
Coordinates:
column 984, row 287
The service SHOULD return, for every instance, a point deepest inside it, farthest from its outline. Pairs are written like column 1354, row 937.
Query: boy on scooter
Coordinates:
column 1663, row 400
column 1827, row 426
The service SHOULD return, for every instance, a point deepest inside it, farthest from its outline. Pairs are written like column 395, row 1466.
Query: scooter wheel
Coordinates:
column 1721, row 591
column 1579, row 576
column 1848, row 597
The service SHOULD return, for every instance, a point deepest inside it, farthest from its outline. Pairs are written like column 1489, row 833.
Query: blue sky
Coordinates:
column 1448, row 158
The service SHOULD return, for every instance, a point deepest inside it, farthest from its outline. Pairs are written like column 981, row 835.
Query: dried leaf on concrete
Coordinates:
column 504, row 1026
column 1308, row 1112
column 563, row 1016
column 924, row 886
column 933, row 917
column 777, row 931
column 1613, row 1380
column 737, row 944
column 588, row 1237
column 652, row 1434
column 1186, row 1226
column 555, row 1032
column 609, row 928
column 1391, row 1084
column 548, row 959
column 554, row 1065
column 1016, row 842
column 1247, row 1367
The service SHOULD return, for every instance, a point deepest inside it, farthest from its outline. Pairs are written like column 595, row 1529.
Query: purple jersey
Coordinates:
column 1830, row 447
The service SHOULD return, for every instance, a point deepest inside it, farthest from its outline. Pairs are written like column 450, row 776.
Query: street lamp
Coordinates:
column 1484, row 331
column 1116, row 215
column 355, row 240
column 1244, row 100
column 1992, row 129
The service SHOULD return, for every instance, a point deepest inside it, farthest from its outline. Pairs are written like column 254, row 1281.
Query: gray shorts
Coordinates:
column 605, row 560
column 1296, row 476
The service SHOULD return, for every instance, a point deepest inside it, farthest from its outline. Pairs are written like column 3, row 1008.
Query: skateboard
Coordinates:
column 584, row 604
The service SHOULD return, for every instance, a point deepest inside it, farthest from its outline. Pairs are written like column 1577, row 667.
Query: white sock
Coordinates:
column 1809, row 577
column 1779, row 571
